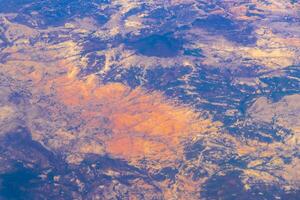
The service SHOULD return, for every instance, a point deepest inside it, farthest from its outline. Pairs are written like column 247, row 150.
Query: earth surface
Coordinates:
column 164, row 99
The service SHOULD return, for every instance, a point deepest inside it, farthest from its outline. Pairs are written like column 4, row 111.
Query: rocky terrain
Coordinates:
column 122, row 99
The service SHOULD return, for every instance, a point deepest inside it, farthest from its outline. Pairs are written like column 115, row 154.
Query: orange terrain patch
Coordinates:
column 142, row 125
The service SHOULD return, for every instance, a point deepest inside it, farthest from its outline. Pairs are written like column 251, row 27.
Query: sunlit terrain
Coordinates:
column 153, row 100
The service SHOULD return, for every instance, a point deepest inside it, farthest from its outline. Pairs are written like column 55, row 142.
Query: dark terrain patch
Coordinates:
column 43, row 14
column 238, row 32
column 165, row 46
